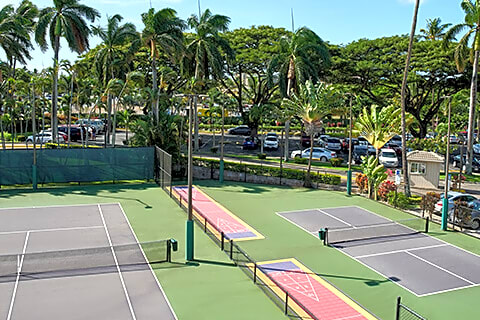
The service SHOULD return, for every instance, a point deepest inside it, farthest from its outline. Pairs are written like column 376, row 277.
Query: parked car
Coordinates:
column 454, row 139
column 270, row 142
column 474, row 218
column 250, row 143
column 394, row 147
column 240, row 130
column 45, row 137
column 368, row 148
column 318, row 153
column 272, row 134
column 334, row 144
column 388, row 158
column 305, row 141
column 75, row 133
column 396, row 140
column 475, row 164
column 97, row 123
column 49, row 131
column 453, row 196
column 476, row 148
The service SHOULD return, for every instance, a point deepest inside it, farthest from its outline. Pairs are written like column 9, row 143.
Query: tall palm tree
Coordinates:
column 311, row 104
column 301, row 57
column 66, row 19
column 463, row 53
column 111, row 58
column 163, row 33
column 406, row 181
column 435, row 30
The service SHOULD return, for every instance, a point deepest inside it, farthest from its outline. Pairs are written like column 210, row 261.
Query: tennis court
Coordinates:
column 398, row 250
column 78, row 262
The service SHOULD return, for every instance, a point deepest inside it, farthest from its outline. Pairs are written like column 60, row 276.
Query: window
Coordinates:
column 417, row 168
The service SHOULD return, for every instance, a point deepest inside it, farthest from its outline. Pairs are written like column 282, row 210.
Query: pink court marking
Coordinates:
column 217, row 215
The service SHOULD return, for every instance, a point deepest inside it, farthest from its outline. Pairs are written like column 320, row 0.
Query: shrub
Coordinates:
column 385, row 188
column 214, row 149
column 462, row 213
column 336, row 162
column 21, row 138
column 300, row 160
column 262, row 156
column 65, row 146
column 398, row 200
column 362, row 182
column 428, row 202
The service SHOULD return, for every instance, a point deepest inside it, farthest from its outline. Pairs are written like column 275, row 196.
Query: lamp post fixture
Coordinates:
column 189, row 243
column 447, row 156
column 349, row 172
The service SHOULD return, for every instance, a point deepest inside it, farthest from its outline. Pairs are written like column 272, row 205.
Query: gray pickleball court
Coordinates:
column 76, row 262
column 414, row 260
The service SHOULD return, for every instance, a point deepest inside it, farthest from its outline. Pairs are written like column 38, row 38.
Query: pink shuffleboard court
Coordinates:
column 314, row 295
column 218, row 216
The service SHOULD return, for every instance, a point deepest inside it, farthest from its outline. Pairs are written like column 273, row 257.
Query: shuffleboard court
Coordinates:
column 204, row 207
column 400, row 251
column 78, row 262
column 313, row 296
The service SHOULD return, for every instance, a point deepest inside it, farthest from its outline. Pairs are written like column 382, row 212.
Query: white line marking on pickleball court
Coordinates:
column 19, row 270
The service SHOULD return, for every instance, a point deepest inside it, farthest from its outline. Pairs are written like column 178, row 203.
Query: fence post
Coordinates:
column 286, row 303
column 245, row 172
column 427, row 222
column 397, row 312
column 231, row 249
column 223, row 240
column 205, row 225
column 169, row 250
column 255, row 273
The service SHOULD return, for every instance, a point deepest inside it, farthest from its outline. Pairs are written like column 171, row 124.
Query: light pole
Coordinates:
column 447, row 156
column 349, row 172
column 189, row 241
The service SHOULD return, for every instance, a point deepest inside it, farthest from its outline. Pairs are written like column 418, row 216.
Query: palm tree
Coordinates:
column 311, row 104
column 111, row 58
column 65, row 19
column 163, row 32
column 301, row 57
column 435, row 30
column 378, row 127
column 463, row 53
column 403, row 102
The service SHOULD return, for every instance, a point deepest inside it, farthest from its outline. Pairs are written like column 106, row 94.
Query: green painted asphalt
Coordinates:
column 257, row 204
column 209, row 288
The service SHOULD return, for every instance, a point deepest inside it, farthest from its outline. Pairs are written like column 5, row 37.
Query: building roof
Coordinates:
column 425, row 156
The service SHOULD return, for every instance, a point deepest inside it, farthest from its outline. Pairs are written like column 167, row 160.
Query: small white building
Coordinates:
column 424, row 169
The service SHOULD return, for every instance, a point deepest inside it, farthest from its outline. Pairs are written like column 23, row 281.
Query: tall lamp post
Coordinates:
column 349, row 172
column 189, row 241
column 447, row 156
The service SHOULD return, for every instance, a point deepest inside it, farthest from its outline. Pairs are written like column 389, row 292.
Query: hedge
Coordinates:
column 268, row 171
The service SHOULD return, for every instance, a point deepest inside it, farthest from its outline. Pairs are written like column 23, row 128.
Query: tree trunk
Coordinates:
column 403, row 97
column 471, row 116
column 54, row 119
column 154, row 83
column 70, row 113
column 195, row 117
column 1, row 131
column 114, row 135
column 287, row 135
column 308, row 179
column 109, row 120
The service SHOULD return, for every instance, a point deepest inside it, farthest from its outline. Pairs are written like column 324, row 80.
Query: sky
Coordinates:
column 335, row 21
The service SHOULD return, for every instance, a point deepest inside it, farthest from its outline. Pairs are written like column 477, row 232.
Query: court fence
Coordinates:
column 163, row 169
column 405, row 313
column 45, row 166
column 276, row 292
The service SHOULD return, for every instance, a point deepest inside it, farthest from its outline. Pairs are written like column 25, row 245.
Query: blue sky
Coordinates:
column 336, row 21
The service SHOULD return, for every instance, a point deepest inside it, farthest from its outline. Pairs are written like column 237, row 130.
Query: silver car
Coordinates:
column 318, row 153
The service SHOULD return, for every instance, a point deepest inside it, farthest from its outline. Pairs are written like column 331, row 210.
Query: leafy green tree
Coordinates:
column 434, row 29
column 463, row 53
column 302, row 56
column 375, row 173
column 66, row 19
column 162, row 34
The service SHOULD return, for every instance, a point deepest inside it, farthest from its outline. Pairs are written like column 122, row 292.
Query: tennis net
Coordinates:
column 127, row 257
column 373, row 233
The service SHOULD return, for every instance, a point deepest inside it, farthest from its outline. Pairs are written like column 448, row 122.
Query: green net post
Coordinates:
column 34, row 177
column 189, row 240
column 444, row 213
column 349, row 182
column 220, row 172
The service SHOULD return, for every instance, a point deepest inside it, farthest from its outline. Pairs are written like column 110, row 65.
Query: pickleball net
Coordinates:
column 374, row 233
column 97, row 260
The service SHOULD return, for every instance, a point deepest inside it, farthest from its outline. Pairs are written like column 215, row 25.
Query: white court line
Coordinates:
column 443, row 269
column 19, row 270
column 399, row 251
column 338, row 219
column 297, row 225
column 149, row 266
column 56, row 206
column 50, row 230
column 116, row 264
